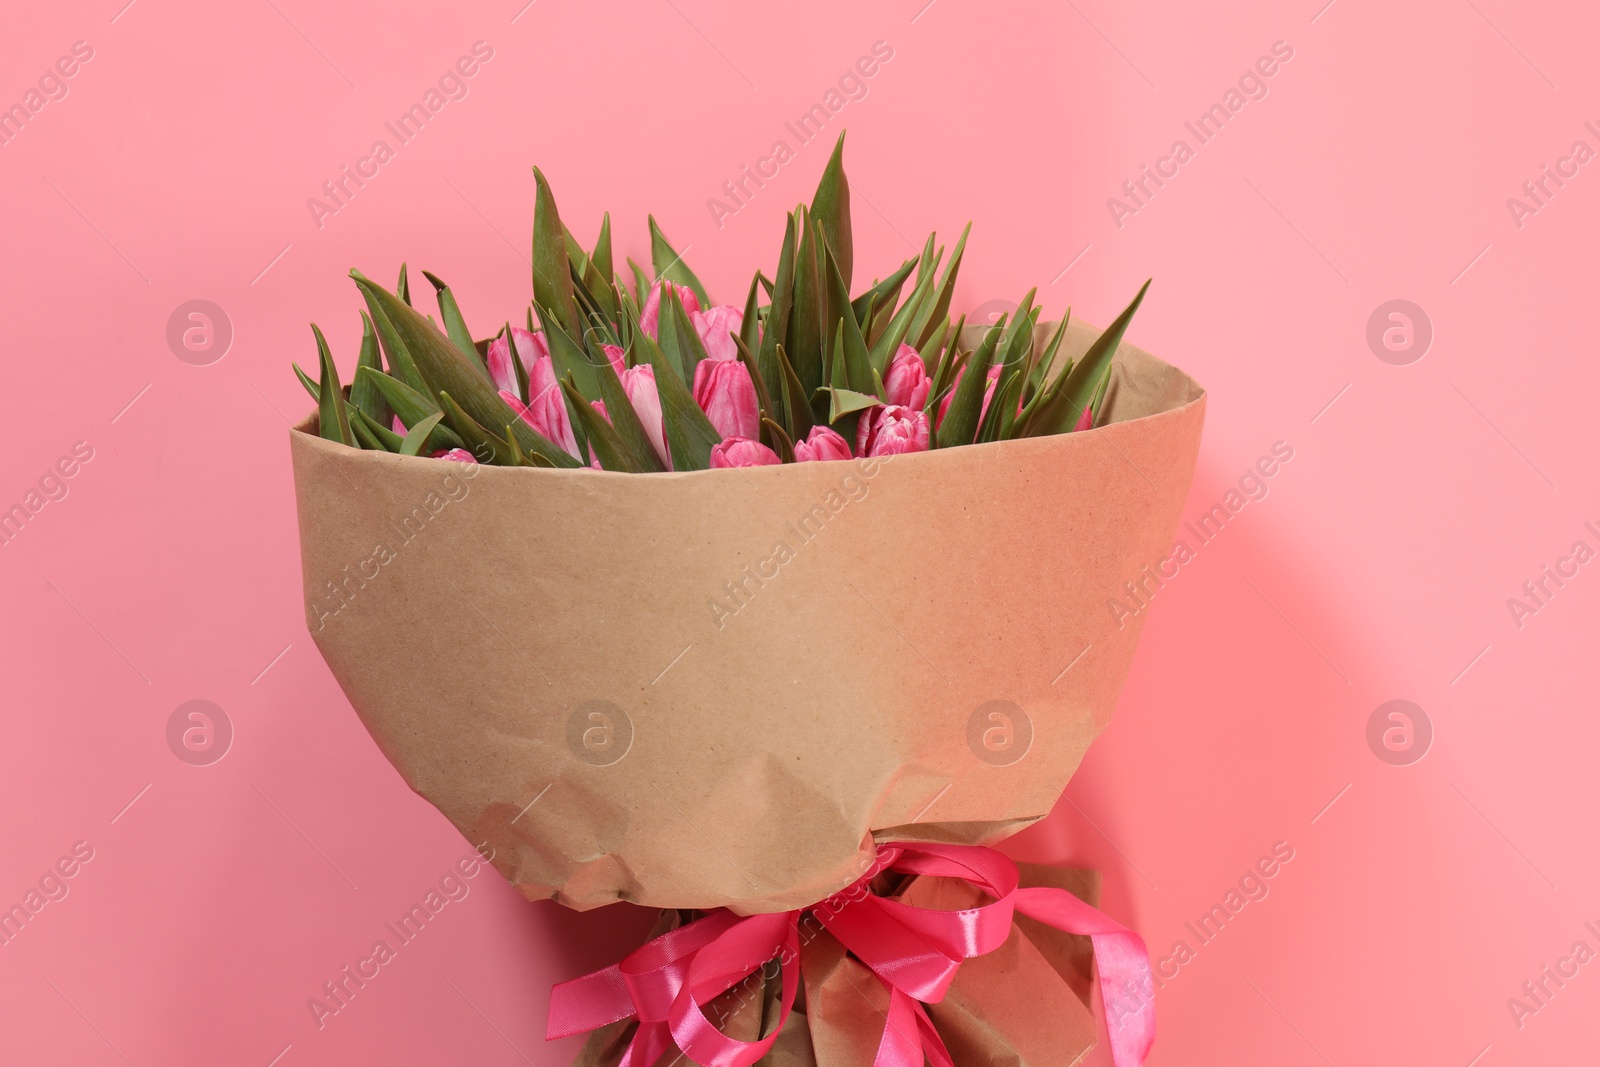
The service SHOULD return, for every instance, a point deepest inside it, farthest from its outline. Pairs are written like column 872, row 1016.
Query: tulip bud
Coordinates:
column 640, row 385
column 823, row 443
column 716, row 328
column 650, row 314
column 460, row 455
column 1086, row 420
column 531, row 347
column 726, row 394
column 546, row 411
column 907, row 382
column 891, row 430
column 616, row 356
column 742, row 452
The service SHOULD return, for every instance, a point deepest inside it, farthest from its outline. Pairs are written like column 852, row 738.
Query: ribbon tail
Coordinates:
column 1122, row 965
column 588, row 1003
column 901, row 1043
column 650, row 1042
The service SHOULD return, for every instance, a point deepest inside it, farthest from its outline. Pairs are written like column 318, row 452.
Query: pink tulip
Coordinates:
column 716, row 328
column 640, row 385
column 650, row 314
column 547, row 409
column 742, row 452
column 988, row 393
column 616, row 356
column 531, row 347
column 726, row 394
column 1086, row 420
column 907, row 382
column 823, row 443
column 460, row 455
column 891, row 430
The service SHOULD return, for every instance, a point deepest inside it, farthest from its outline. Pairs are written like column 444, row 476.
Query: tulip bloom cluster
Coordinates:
column 658, row 378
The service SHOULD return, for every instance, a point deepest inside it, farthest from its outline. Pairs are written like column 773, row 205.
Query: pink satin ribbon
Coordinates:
column 916, row 952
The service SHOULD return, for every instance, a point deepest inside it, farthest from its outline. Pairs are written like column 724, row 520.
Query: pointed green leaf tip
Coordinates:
column 1070, row 393
column 333, row 421
column 831, row 207
column 552, row 277
column 668, row 263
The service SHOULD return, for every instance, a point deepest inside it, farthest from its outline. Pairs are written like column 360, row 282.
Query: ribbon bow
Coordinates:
column 915, row 952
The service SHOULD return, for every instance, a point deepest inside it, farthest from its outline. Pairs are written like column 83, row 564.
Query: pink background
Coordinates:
column 1419, row 498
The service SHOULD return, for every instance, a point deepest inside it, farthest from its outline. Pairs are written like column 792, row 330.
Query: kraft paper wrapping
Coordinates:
column 719, row 688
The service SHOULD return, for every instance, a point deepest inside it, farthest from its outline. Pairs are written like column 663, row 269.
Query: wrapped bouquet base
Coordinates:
column 724, row 688
column 949, row 954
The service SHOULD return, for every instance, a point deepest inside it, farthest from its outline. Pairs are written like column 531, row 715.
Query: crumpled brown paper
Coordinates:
column 1027, row 1004
column 720, row 688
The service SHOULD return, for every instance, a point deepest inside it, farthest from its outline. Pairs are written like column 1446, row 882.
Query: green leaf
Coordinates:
column 883, row 294
column 445, row 369
column 774, row 437
column 484, row 446
column 601, row 260
column 641, row 285
column 889, row 341
column 849, row 345
column 804, row 340
column 750, row 323
column 416, row 438
column 454, row 325
column 386, row 438
column 1063, row 406
column 1039, row 373
column 763, row 394
column 311, row 387
column 935, row 344
column 638, row 452
column 1012, row 355
column 831, row 207
column 401, row 365
column 796, row 402
column 517, row 458
column 402, row 288
column 603, row 438
column 364, row 436
column 576, row 256
column 960, row 423
column 552, row 277
column 943, row 371
column 597, row 275
column 592, row 312
column 775, row 330
column 995, row 420
column 928, row 317
column 411, row 406
column 363, row 396
column 842, row 402
column 690, row 435
column 669, row 264
column 1097, row 405
column 333, row 422
column 678, row 338
column 567, row 355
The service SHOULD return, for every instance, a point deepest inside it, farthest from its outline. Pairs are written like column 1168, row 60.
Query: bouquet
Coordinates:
column 790, row 706
column 660, row 379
